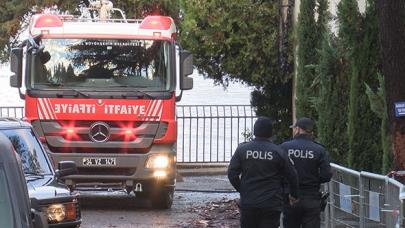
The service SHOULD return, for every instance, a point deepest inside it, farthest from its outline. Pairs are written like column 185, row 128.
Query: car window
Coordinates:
column 6, row 210
column 31, row 153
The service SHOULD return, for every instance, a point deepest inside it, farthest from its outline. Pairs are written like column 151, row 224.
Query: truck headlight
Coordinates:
column 56, row 212
column 157, row 161
column 159, row 174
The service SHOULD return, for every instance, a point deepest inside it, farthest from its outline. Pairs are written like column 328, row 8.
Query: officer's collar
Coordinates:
column 303, row 136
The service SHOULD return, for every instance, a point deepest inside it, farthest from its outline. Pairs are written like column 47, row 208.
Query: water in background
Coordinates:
column 206, row 93
column 8, row 95
column 203, row 93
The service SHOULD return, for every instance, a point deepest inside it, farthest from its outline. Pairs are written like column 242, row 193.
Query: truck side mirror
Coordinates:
column 186, row 68
column 16, row 67
column 66, row 168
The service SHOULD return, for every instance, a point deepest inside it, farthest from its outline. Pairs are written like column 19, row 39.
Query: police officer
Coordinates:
column 313, row 168
column 256, row 171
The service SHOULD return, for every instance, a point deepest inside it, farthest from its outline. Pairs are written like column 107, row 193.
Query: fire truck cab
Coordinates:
column 102, row 92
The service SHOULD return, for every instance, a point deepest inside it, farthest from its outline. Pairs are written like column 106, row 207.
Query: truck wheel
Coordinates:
column 163, row 200
column 142, row 195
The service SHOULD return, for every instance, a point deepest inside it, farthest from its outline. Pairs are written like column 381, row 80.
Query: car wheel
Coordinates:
column 163, row 200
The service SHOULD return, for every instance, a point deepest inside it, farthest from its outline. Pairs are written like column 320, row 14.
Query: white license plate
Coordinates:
column 99, row 162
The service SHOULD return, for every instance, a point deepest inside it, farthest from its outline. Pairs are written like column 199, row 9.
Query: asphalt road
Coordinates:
column 117, row 209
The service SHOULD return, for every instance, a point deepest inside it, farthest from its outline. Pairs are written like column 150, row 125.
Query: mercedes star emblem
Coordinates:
column 99, row 132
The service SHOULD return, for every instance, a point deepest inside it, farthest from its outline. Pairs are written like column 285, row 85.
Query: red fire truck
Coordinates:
column 102, row 92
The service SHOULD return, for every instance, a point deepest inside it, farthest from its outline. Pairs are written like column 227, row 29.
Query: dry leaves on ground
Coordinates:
column 223, row 213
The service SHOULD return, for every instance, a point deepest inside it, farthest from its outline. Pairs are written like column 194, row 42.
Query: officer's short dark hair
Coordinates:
column 263, row 127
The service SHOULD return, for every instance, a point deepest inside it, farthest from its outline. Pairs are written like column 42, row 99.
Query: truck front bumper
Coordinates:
column 127, row 170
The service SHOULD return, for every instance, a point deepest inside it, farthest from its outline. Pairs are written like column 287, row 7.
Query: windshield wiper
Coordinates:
column 135, row 93
column 55, row 84
column 76, row 92
column 34, row 175
column 65, row 92
column 50, row 84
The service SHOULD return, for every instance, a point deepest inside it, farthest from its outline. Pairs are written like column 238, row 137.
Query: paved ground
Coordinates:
column 190, row 209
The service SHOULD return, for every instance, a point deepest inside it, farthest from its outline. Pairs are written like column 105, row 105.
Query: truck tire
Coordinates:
column 163, row 199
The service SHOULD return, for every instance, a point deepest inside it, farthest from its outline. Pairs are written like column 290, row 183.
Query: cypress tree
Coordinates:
column 358, row 35
column 322, row 22
column 331, row 102
column 307, row 40
column 379, row 106
column 349, row 18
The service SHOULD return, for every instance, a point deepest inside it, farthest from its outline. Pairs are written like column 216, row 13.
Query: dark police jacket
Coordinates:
column 262, row 166
column 310, row 161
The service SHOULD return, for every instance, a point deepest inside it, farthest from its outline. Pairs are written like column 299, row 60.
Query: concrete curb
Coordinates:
column 201, row 171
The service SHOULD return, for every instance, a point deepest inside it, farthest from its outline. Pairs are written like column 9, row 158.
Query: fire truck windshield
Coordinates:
column 110, row 64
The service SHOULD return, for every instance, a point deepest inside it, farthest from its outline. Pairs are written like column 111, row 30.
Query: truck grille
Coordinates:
column 123, row 136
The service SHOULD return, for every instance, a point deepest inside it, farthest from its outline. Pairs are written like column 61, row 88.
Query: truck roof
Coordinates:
column 69, row 26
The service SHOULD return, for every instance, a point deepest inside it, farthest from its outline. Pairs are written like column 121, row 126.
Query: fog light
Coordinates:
column 157, row 162
column 159, row 173
column 56, row 213
column 70, row 211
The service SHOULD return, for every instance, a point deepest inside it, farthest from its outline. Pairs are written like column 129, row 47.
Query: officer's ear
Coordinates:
column 295, row 131
column 302, row 131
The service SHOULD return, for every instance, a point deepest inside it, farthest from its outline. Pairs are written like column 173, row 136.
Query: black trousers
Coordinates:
column 305, row 214
column 259, row 218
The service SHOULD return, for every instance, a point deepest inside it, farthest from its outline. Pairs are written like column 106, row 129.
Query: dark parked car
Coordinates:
column 15, row 209
column 44, row 184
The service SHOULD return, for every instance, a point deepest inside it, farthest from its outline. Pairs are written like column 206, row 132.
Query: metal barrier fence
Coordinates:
column 363, row 199
column 206, row 133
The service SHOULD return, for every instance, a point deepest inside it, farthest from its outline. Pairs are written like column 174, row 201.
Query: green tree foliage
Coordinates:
column 309, row 42
column 349, row 21
column 268, row 102
column 358, row 35
column 239, row 40
column 15, row 15
column 11, row 13
column 233, row 40
column 378, row 105
column 331, row 102
column 353, row 134
column 323, row 19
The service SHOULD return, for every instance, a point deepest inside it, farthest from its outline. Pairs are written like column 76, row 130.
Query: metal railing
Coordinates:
column 12, row 111
column 211, row 133
column 363, row 199
column 206, row 133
